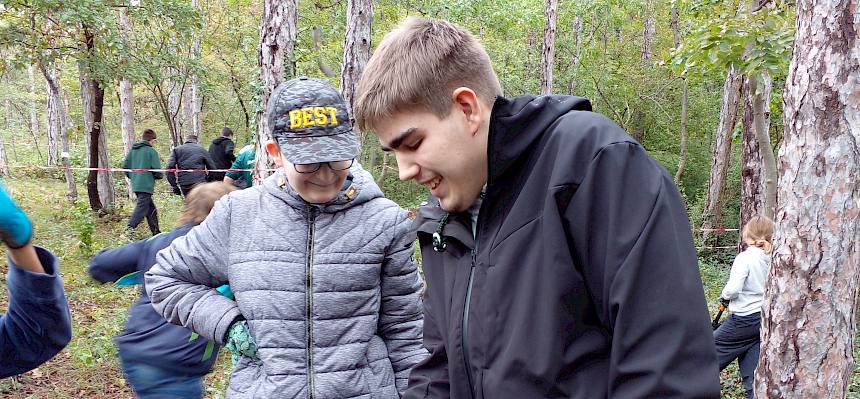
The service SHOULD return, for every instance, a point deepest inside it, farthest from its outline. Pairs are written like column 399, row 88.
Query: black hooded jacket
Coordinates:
column 189, row 156
column 582, row 281
column 221, row 152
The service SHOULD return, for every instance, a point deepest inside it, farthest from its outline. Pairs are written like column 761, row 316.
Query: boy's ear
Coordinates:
column 273, row 149
column 466, row 101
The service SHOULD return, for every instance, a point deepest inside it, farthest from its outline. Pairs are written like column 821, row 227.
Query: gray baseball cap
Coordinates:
column 310, row 121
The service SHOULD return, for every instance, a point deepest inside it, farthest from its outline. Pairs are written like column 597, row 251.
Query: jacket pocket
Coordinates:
column 244, row 375
column 379, row 371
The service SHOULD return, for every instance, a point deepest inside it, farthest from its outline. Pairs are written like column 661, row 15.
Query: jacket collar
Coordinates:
column 358, row 188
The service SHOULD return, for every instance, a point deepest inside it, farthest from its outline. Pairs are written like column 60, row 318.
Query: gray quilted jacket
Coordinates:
column 330, row 292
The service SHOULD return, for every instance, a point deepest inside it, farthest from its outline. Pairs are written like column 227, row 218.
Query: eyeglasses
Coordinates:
column 313, row 167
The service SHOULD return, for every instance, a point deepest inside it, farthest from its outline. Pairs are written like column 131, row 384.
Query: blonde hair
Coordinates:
column 417, row 66
column 758, row 232
column 201, row 199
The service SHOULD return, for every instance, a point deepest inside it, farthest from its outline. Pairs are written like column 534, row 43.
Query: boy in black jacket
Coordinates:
column 557, row 252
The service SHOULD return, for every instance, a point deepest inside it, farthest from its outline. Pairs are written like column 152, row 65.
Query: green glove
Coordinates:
column 240, row 343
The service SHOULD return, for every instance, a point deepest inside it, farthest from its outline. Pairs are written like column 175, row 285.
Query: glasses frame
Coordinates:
column 319, row 165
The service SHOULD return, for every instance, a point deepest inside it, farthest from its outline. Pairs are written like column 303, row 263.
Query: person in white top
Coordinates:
column 738, row 337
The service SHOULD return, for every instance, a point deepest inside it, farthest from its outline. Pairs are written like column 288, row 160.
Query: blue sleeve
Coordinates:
column 37, row 324
column 111, row 264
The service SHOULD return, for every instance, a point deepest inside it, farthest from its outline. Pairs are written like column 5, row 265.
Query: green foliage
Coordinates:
column 726, row 33
column 83, row 223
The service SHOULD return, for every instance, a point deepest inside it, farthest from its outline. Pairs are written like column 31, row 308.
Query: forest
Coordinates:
column 704, row 85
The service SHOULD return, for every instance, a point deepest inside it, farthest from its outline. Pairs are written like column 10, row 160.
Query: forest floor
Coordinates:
column 89, row 366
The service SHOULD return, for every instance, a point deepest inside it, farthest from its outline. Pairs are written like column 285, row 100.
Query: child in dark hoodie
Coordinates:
column 37, row 324
column 160, row 360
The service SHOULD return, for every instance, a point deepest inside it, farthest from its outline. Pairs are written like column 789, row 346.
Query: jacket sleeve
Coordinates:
column 126, row 164
column 633, row 244
column 401, row 318
column 37, row 324
column 429, row 378
column 737, row 278
column 155, row 163
column 171, row 164
column 112, row 264
column 182, row 282
column 228, row 150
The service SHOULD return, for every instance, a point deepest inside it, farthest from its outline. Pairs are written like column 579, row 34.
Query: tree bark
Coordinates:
column 58, row 125
column 760, row 86
column 7, row 106
column 356, row 51
column 4, row 163
column 574, row 60
column 752, row 169
column 808, row 315
column 685, row 99
column 648, row 31
column 548, row 52
column 277, row 42
column 722, row 153
column 126, row 104
column 53, row 120
column 99, row 183
column 34, row 115
column 192, row 100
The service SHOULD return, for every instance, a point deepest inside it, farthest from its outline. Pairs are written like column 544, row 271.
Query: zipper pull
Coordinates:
column 474, row 258
column 439, row 241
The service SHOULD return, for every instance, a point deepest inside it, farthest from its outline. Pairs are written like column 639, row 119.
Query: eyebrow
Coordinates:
column 399, row 139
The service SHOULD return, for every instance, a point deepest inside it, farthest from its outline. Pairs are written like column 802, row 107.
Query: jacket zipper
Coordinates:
column 310, row 301
column 465, row 330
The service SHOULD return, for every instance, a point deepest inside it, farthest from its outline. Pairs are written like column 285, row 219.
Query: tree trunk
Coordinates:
column 722, row 153
column 752, row 191
column 4, row 163
column 126, row 104
column 685, row 99
column 808, row 315
column 99, row 184
column 53, row 120
column 548, row 57
column 356, row 50
column 277, row 41
column 574, row 60
column 175, row 89
column 58, row 125
column 7, row 106
column 192, row 100
column 34, row 115
column 648, row 31
column 760, row 86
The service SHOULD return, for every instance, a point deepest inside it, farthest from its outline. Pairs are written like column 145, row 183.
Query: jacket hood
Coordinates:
column 517, row 122
column 140, row 144
column 358, row 188
column 220, row 140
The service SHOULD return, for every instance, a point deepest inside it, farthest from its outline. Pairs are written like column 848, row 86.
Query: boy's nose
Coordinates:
column 408, row 170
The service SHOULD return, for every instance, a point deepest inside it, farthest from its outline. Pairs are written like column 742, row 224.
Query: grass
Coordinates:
column 89, row 366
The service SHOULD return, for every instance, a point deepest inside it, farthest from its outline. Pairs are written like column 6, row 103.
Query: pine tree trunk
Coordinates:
column 752, row 191
column 277, row 42
column 356, row 51
column 722, row 153
column 809, row 311
column 548, row 52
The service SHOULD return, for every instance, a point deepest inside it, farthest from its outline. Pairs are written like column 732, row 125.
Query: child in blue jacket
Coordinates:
column 37, row 324
column 159, row 359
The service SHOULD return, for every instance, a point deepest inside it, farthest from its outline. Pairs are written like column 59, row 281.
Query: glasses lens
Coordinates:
column 340, row 165
column 306, row 167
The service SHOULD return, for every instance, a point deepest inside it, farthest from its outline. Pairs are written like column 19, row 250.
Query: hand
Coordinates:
column 240, row 343
column 15, row 228
column 724, row 302
column 176, row 190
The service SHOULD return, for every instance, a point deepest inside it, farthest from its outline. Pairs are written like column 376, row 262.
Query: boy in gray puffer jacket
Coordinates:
column 326, row 293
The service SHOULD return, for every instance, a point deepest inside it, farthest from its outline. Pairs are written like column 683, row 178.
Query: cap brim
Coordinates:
column 336, row 147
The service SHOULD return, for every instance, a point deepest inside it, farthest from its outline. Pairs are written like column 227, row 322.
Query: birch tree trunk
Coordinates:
column 126, row 104
column 548, row 52
column 34, row 115
column 58, row 125
column 277, row 41
column 356, row 52
column 722, row 153
column 808, row 315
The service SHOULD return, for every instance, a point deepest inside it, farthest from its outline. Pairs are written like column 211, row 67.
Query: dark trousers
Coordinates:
column 738, row 338
column 145, row 208
column 217, row 176
column 150, row 382
column 186, row 188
